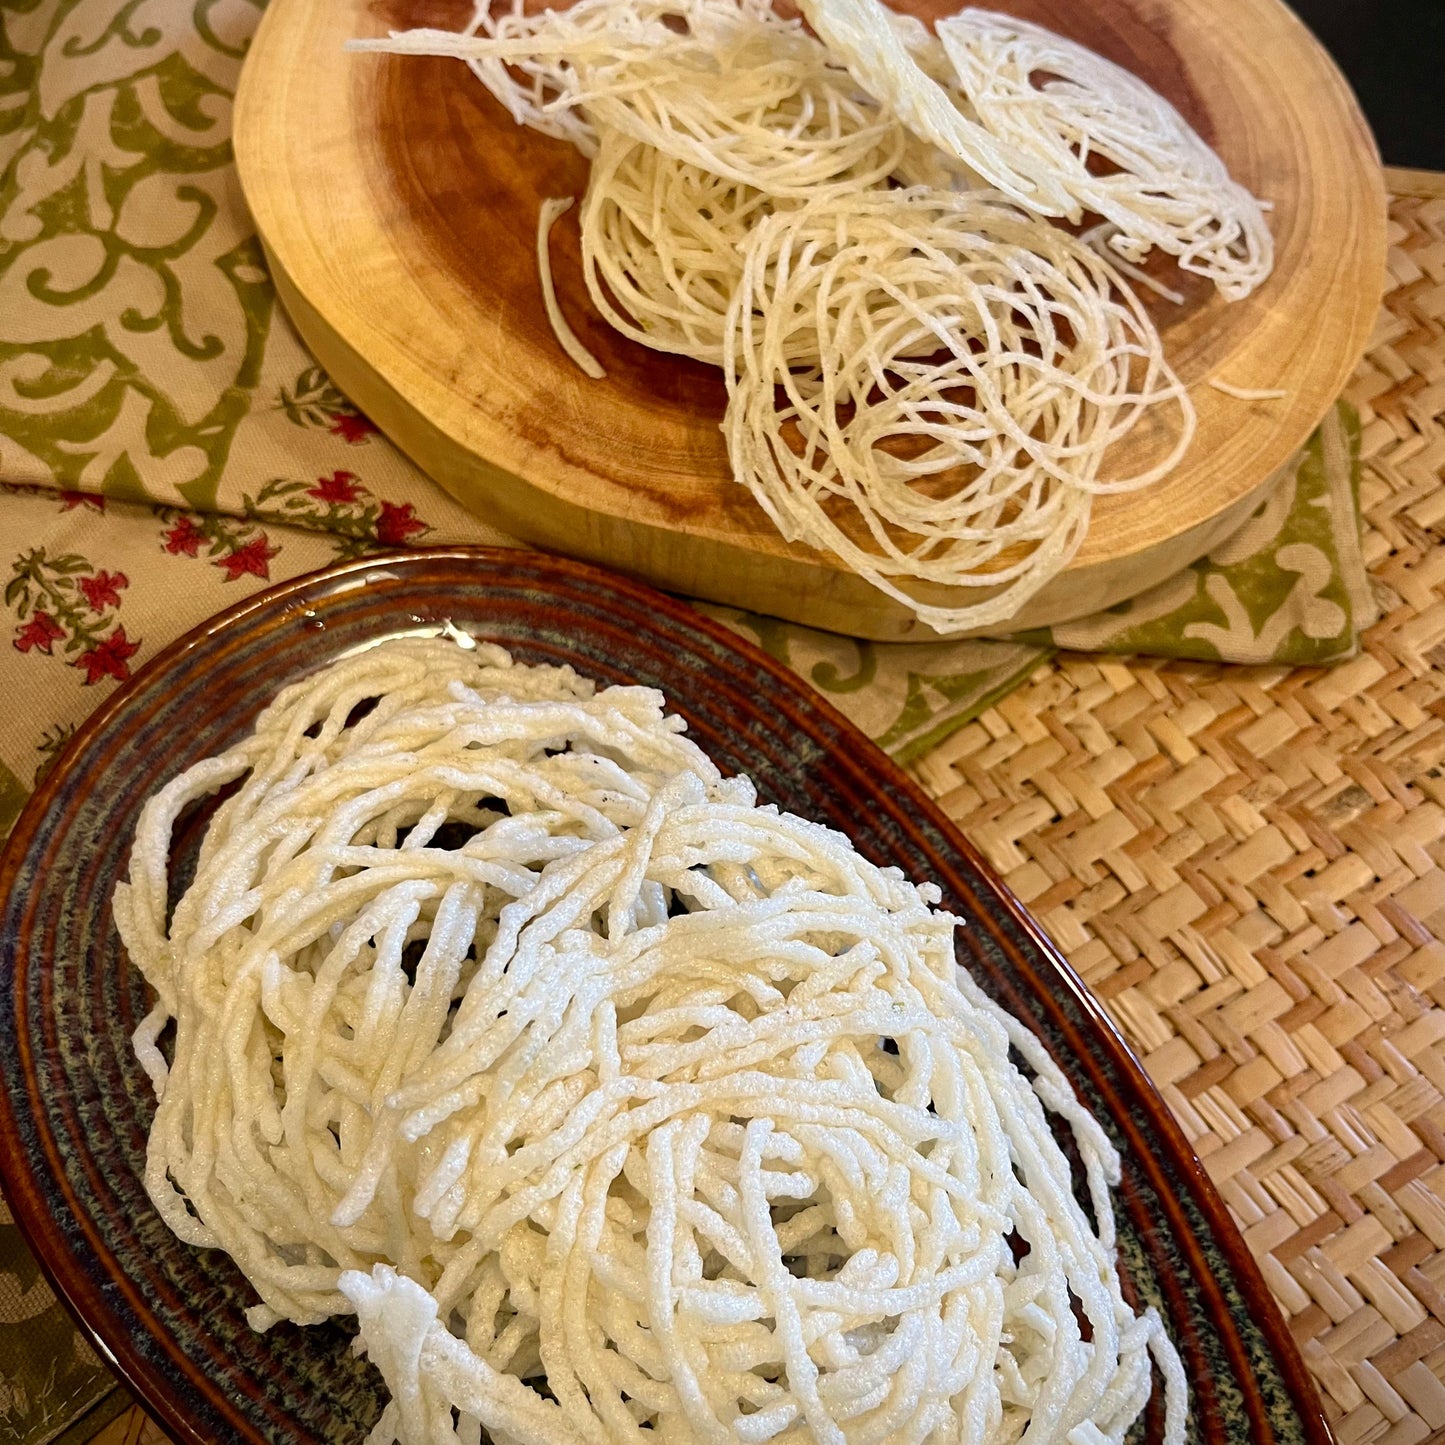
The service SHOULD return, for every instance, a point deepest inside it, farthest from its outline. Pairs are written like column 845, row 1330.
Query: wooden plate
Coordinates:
column 75, row 1104
column 398, row 205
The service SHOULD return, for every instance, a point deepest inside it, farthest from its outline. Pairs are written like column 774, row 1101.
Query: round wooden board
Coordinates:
column 398, row 205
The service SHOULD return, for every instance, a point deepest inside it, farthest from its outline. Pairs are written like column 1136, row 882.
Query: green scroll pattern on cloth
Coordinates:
column 142, row 353
column 168, row 446
column 135, row 314
column 1288, row 588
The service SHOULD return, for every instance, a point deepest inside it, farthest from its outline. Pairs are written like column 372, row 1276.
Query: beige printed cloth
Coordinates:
column 95, row 584
column 168, row 446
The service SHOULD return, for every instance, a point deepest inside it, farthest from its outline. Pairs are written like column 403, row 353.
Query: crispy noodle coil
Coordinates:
column 662, row 245
column 532, row 63
column 758, row 103
column 529, row 61
column 728, row 87
column 708, row 120
column 898, row 66
column 1063, row 104
column 930, row 387
column 506, row 1022
column 328, row 861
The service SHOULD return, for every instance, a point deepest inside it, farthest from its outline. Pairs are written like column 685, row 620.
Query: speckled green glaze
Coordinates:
column 76, row 1105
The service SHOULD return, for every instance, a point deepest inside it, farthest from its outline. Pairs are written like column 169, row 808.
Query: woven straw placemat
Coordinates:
column 1248, row 865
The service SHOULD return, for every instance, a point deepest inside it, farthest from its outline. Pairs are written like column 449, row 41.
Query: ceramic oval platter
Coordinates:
column 76, row 1104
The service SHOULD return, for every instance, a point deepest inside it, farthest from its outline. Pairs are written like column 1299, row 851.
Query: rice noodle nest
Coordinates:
column 607, row 1099
column 662, row 245
column 929, row 386
column 958, row 489
column 1067, row 106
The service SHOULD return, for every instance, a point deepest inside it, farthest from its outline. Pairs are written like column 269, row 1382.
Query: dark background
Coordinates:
column 1393, row 54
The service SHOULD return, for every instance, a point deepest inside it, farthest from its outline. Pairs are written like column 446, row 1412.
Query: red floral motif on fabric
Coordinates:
column 104, row 589
column 253, row 559
column 338, row 487
column 396, row 524
column 184, row 538
column 352, row 427
column 239, row 548
column 110, row 658
column 63, row 600
column 313, row 400
column 344, row 508
column 40, row 633
column 71, row 500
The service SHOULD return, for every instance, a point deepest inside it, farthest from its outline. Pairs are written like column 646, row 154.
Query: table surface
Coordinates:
column 1248, row 865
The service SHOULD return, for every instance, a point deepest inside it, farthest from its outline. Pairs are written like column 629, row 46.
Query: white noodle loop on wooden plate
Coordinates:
column 728, row 87
column 571, row 343
column 893, row 63
column 756, row 102
column 662, row 245
column 616, row 1107
column 533, row 62
column 1066, row 106
column 931, row 386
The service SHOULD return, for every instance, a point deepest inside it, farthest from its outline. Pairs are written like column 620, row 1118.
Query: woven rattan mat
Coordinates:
column 1248, row 865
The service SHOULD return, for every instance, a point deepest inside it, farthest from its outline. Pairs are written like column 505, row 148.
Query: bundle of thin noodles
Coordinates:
column 1161, row 184
column 757, row 103
column 931, row 385
column 903, row 71
column 533, row 63
column 610, row 1101
column 726, row 86
column 661, row 245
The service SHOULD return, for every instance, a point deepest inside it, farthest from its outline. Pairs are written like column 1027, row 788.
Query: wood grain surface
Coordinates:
column 398, row 205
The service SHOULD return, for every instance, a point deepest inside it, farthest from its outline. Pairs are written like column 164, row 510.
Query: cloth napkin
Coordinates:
column 168, row 446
